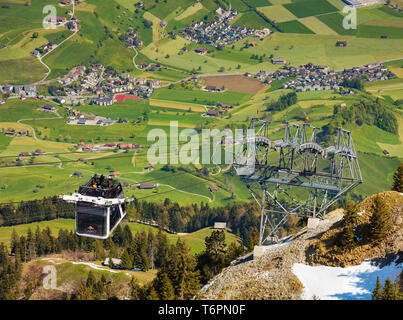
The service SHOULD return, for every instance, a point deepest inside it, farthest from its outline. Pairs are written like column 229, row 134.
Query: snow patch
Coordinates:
column 94, row 266
column 338, row 283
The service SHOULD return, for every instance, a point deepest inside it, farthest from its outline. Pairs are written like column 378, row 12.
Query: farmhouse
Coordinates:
column 278, row 61
column 212, row 88
column 150, row 167
column 25, row 154
column 201, row 51
column 126, row 146
column 87, row 147
column 48, row 107
column 213, row 188
column 147, row 185
column 77, row 174
column 341, row 43
column 214, row 113
column 65, row 3
column 143, row 65
column 224, row 106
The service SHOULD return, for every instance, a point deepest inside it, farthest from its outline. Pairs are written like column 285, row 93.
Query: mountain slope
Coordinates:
column 285, row 271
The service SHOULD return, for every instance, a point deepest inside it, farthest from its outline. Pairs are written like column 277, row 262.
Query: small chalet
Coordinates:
column 25, row 154
column 220, row 225
column 341, row 43
column 125, row 146
column 278, row 61
column 143, row 65
column 150, row 167
column 48, row 107
column 115, row 263
column 77, row 174
column 202, row 51
column 213, row 188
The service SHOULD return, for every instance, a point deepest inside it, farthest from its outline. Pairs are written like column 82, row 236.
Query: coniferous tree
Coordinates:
column 398, row 179
column 348, row 238
column 163, row 287
column 135, row 290
column 152, row 294
column 388, row 292
column 83, row 292
column 253, row 238
column 350, row 214
column 376, row 293
column 127, row 260
column 180, row 266
column 379, row 225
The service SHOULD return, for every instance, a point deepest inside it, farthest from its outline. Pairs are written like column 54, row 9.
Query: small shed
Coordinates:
column 115, row 262
column 220, row 225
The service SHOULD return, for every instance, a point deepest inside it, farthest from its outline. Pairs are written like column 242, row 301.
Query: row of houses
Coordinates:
column 24, row 91
column 219, row 32
column 44, row 49
column 11, row 132
column 86, row 147
column 73, row 75
column 311, row 77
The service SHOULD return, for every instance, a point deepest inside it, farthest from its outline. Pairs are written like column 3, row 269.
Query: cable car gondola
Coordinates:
column 100, row 206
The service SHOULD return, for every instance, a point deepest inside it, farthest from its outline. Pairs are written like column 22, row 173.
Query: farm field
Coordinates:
column 235, row 83
column 278, row 13
column 308, row 8
column 177, row 105
column 202, row 97
column 317, row 26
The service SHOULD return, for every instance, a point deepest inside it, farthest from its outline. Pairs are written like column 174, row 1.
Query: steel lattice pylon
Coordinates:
column 295, row 175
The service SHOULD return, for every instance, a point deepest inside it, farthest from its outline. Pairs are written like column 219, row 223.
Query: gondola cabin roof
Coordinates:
column 100, row 186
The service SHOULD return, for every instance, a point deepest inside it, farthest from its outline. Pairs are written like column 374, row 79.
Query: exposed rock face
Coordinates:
column 269, row 276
